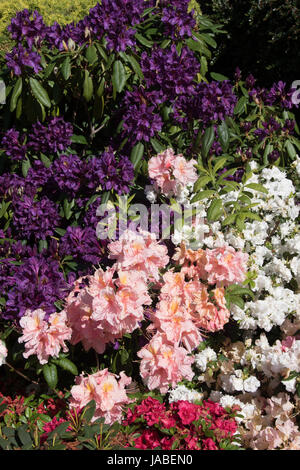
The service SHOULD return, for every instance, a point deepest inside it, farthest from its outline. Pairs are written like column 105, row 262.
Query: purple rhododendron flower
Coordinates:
column 13, row 144
column 21, row 57
column 53, row 137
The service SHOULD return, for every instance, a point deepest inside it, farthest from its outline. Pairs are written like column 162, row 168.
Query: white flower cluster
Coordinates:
column 181, row 392
column 236, row 382
column 204, row 357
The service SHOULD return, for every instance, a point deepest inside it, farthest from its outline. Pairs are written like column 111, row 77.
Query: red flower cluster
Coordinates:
column 182, row 425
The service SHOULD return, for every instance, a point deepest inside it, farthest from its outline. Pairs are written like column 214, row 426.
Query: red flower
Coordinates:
column 188, row 412
column 149, row 439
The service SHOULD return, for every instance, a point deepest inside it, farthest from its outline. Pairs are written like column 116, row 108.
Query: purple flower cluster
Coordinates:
column 53, row 137
column 141, row 120
column 36, row 283
column 67, row 173
column 115, row 174
column 34, row 217
column 30, row 27
column 113, row 19
column 177, row 20
column 171, row 72
column 279, row 94
column 20, row 57
column 81, row 244
column 211, row 102
column 13, row 144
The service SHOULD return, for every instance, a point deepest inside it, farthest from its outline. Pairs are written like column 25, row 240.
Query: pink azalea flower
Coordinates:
column 175, row 322
column 107, row 308
column 164, row 364
column 184, row 171
column 139, row 252
column 44, row 338
column 108, row 391
column 225, row 266
column 206, row 314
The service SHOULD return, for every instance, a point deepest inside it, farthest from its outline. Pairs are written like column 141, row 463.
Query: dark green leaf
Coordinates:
column 15, row 94
column 50, row 374
column 39, row 92
column 119, row 76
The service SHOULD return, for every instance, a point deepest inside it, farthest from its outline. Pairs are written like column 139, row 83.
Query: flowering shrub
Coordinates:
column 183, row 425
column 106, row 121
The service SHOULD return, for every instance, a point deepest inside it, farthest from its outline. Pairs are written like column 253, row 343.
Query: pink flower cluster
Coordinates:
column 185, row 306
column 108, row 392
column 107, row 308
column 221, row 266
column 183, row 418
column 170, row 172
column 44, row 338
column 164, row 364
column 139, row 252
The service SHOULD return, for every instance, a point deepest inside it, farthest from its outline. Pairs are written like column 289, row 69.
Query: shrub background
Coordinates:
column 262, row 37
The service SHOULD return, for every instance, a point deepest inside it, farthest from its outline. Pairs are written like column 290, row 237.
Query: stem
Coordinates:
column 21, row 374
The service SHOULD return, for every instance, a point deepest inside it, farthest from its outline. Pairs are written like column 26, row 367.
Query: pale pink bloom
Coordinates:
column 3, row 352
column 175, row 285
column 225, row 265
column 160, row 170
column 184, row 171
column 170, row 171
column 45, row 339
column 107, row 308
column 140, row 252
column 79, row 308
column 173, row 320
column 164, row 364
column 206, row 314
column 108, row 392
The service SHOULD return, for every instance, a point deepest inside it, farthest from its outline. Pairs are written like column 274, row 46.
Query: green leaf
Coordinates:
column 219, row 77
column 202, row 181
column 203, row 195
column 119, row 76
column 78, row 139
column 220, row 164
column 24, row 435
column 207, row 142
column 15, row 94
column 137, row 154
column 45, row 160
column 158, row 147
column 143, row 40
column 251, row 215
column 229, row 220
column 290, row 150
column 240, row 106
column 66, row 68
column 88, row 87
column 91, row 54
column 50, row 375
column 214, row 210
column 135, row 66
column 223, row 136
column 89, row 411
column 39, row 92
column 268, row 150
column 67, row 365
column 257, row 187
column 25, row 167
